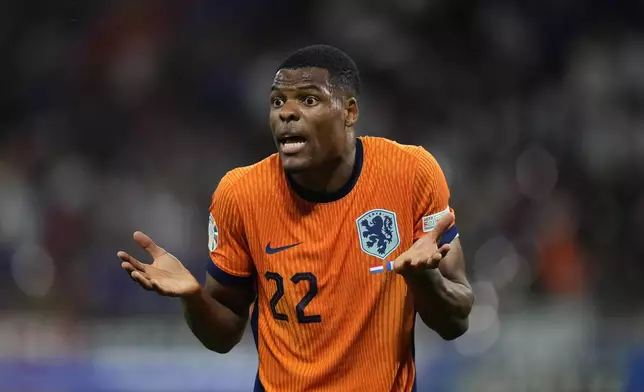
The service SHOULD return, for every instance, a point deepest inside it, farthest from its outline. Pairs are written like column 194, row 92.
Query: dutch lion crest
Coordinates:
column 378, row 232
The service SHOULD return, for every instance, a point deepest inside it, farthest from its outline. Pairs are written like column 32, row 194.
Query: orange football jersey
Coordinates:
column 321, row 320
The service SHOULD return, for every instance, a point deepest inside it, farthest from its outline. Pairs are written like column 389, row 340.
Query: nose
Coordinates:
column 289, row 113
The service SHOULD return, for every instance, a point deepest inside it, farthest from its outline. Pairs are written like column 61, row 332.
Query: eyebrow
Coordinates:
column 303, row 87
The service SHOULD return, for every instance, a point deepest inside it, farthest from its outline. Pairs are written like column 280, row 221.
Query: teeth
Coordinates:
column 292, row 141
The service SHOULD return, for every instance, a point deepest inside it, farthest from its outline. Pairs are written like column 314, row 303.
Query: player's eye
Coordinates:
column 310, row 100
column 277, row 102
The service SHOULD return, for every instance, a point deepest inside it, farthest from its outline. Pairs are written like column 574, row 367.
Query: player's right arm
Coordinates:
column 218, row 312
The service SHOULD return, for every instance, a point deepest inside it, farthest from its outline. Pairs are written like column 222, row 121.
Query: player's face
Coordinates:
column 307, row 119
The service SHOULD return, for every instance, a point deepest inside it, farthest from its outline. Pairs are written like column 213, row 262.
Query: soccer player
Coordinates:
column 300, row 244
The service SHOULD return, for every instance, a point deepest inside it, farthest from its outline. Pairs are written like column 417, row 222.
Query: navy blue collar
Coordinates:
column 327, row 197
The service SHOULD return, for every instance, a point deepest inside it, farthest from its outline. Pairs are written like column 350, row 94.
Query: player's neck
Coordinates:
column 332, row 176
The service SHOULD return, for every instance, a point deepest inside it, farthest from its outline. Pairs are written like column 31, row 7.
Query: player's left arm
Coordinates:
column 434, row 267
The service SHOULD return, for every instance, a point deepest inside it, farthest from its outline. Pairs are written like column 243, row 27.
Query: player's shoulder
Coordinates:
column 396, row 151
column 244, row 179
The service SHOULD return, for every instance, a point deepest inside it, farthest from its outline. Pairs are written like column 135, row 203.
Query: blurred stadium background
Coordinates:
column 123, row 115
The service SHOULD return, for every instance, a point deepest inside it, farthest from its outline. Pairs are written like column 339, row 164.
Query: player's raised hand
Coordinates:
column 166, row 275
column 425, row 253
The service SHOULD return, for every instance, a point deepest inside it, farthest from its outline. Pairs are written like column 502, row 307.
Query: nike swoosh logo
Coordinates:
column 272, row 251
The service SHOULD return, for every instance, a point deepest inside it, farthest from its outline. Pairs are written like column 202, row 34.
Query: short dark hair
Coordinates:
column 343, row 71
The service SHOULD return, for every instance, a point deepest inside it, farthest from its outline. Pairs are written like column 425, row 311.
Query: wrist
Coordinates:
column 433, row 273
column 192, row 293
column 431, row 277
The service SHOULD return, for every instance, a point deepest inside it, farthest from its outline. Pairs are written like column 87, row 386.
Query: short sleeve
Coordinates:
column 230, row 258
column 431, row 197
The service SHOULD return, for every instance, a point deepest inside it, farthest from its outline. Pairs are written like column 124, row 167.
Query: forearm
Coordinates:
column 216, row 326
column 443, row 305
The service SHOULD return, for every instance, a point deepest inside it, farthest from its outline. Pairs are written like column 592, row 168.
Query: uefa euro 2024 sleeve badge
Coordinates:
column 213, row 234
column 378, row 232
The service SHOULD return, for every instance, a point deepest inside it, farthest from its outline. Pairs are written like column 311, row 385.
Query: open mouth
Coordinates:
column 292, row 144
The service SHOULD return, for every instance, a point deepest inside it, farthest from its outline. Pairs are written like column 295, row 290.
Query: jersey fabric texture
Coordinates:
column 321, row 321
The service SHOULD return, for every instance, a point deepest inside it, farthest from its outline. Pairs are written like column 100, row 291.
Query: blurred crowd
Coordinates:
column 117, row 116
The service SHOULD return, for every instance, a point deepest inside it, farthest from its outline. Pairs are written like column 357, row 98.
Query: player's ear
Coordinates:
column 350, row 111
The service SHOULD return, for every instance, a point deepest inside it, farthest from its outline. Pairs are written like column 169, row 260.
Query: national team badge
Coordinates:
column 213, row 234
column 378, row 232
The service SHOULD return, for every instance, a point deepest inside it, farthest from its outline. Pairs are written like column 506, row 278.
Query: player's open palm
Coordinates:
column 166, row 275
column 425, row 253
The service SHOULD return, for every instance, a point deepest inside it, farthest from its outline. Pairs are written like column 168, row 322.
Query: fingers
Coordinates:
column 142, row 280
column 160, row 290
column 444, row 250
column 137, row 271
column 128, row 268
column 133, row 262
column 138, row 275
column 402, row 264
column 408, row 262
column 443, row 224
column 146, row 243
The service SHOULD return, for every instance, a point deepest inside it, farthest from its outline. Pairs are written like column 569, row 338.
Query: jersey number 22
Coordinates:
column 299, row 308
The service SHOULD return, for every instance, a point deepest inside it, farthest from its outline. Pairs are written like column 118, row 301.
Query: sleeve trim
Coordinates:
column 450, row 235
column 225, row 278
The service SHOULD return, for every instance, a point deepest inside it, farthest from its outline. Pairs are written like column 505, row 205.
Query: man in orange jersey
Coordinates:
column 300, row 238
